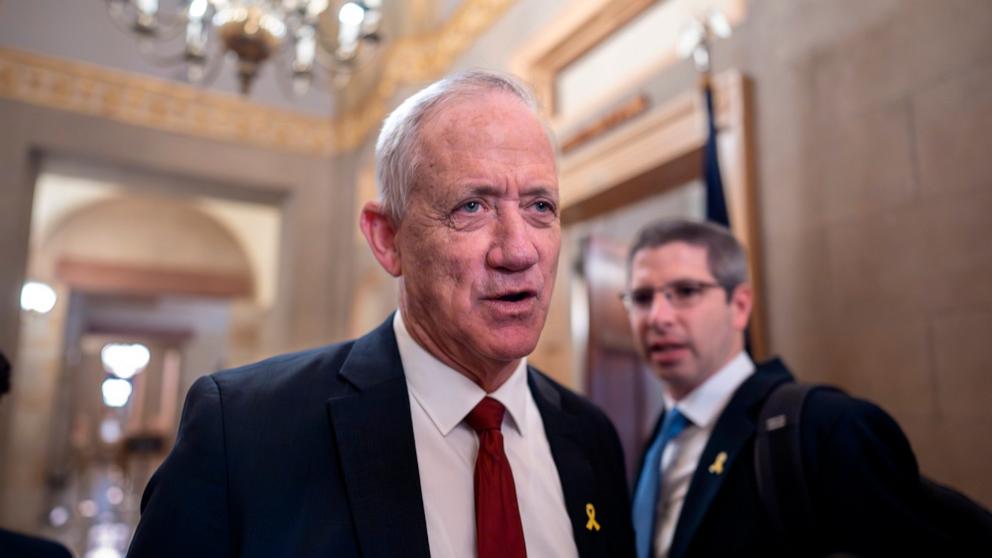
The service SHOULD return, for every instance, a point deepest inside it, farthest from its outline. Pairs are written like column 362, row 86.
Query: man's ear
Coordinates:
column 741, row 302
column 380, row 233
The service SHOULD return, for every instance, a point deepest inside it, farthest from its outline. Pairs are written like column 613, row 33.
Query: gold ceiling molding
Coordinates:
column 417, row 59
column 163, row 105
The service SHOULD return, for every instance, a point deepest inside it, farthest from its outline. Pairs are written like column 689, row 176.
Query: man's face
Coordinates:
column 686, row 346
column 478, row 243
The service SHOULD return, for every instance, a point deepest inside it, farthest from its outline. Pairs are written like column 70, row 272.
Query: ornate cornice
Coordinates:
column 164, row 105
column 154, row 103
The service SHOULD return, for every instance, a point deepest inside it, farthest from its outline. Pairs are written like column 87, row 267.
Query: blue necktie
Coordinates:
column 646, row 496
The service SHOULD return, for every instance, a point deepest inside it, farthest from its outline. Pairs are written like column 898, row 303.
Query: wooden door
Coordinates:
column 615, row 376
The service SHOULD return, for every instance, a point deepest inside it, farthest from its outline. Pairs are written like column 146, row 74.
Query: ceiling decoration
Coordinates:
column 305, row 39
column 164, row 105
column 154, row 103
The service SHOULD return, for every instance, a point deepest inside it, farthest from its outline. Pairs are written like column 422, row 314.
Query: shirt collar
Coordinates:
column 446, row 395
column 705, row 403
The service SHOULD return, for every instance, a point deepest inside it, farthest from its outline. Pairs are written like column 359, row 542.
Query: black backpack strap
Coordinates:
column 785, row 495
column 778, row 464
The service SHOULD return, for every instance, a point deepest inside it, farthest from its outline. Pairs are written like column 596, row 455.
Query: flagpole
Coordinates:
column 716, row 204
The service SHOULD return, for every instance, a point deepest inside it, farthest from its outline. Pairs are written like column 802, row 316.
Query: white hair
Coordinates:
column 397, row 151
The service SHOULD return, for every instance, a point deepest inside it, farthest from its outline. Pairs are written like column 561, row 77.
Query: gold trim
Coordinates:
column 581, row 28
column 163, row 105
column 575, row 32
column 604, row 124
column 415, row 60
column 145, row 101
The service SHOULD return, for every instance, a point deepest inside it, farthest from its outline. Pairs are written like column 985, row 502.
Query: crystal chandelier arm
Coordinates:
column 128, row 17
column 285, row 32
column 197, row 28
column 289, row 88
column 215, row 63
column 117, row 12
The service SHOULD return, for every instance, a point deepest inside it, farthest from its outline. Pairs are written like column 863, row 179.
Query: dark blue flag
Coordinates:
column 716, row 204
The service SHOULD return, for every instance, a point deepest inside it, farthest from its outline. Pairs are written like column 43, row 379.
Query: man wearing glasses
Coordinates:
column 697, row 494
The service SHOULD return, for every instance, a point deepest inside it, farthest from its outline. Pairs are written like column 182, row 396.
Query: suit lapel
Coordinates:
column 373, row 434
column 575, row 470
column 733, row 430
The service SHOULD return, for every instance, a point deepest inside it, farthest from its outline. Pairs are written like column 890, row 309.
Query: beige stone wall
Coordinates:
column 875, row 182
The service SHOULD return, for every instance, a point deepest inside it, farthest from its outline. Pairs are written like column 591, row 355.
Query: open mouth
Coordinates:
column 516, row 296
column 667, row 347
column 512, row 301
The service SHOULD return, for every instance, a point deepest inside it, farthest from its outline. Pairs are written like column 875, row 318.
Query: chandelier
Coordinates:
column 254, row 31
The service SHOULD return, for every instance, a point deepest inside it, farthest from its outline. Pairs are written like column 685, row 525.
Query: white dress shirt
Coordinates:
column 440, row 399
column 681, row 456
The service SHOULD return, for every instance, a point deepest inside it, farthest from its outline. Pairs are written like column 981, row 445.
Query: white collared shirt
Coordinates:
column 440, row 399
column 681, row 457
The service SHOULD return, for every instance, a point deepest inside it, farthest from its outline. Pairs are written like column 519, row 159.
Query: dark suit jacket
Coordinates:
column 16, row 545
column 312, row 454
column 863, row 477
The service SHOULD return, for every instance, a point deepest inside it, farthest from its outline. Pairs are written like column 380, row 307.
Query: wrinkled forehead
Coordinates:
column 484, row 129
column 475, row 116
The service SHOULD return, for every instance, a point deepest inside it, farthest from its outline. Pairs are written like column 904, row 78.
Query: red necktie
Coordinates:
column 498, row 531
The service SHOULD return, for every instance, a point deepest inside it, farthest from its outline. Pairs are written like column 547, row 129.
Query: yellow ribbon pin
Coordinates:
column 592, row 524
column 717, row 467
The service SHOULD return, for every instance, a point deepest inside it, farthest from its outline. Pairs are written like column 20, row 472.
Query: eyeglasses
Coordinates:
column 680, row 294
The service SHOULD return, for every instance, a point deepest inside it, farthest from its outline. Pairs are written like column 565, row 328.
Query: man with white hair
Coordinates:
column 431, row 435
